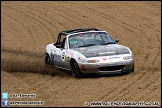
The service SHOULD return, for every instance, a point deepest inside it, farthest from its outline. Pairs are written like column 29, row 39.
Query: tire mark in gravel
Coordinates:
column 28, row 29
column 29, row 80
column 155, row 59
column 153, row 4
column 59, row 23
column 36, row 42
column 57, row 80
column 59, row 89
column 22, row 24
column 127, row 83
column 34, row 19
column 16, row 21
column 89, row 9
column 34, row 66
column 72, row 11
column 131, row 87
column 40, row 19
column 138, row 7
column 123, row 83
column 25, row 53
column 99, row 13
column 66, row 17
column 157, row 56
column 154, row 13
column 128, row 26
column 145, row 92
column 131, row 19
column 58, row 14
column 153, row 95
column 146, row 25
column 105, row 15
column 44, row 19
column 147, row 86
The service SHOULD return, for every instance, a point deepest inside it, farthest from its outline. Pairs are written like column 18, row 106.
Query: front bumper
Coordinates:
column 107, row 68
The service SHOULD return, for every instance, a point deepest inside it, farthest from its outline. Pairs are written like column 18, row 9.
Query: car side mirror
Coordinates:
column 117, row 40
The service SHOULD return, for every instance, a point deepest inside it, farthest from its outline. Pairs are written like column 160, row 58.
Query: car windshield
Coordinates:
column 90, row 39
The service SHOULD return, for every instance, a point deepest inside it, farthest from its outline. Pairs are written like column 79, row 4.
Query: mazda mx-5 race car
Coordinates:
column 89, row 50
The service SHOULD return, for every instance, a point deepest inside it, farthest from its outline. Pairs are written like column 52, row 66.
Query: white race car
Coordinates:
column 89, row 50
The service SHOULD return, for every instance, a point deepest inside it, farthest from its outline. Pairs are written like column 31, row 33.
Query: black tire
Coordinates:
column 48, row 65
column 47, row 60
column 132, row 70
column 50, row 69
column 75, row 70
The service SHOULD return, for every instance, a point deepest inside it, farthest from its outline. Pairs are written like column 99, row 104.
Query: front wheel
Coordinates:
column 75, row 70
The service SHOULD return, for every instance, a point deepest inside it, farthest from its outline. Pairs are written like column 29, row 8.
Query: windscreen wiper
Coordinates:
column 108, row 43
column 87, row 45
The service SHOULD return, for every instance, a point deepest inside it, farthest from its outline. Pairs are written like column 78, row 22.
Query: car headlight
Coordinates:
column 93, row 61
column 127, row 57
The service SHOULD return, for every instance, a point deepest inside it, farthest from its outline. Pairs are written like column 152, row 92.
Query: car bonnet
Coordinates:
column 103, row 50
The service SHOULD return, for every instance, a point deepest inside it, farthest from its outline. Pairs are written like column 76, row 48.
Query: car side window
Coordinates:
column 61, row 41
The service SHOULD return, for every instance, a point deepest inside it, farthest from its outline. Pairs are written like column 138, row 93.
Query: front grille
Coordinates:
column 111, row 68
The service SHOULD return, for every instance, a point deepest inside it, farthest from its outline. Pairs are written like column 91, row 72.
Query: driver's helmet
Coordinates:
column 73, row 41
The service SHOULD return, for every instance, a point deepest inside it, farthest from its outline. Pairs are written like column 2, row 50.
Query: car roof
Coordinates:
column 67, row 32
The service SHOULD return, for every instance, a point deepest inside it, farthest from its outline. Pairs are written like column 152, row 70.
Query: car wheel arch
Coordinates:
column 72, row 61
column 75, row 69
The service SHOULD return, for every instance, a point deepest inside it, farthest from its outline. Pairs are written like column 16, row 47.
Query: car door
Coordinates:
column 59, row 54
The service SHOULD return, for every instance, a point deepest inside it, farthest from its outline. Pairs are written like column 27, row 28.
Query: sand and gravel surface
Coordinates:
column 27, row 27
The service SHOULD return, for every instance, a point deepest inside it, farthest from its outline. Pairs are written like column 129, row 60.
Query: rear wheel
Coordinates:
column 47, row 60
column 75, row 70
column 48, row 65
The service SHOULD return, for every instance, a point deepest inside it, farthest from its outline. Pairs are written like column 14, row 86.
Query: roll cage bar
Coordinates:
column 67, row 32
column 78, row 30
